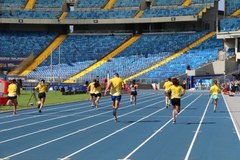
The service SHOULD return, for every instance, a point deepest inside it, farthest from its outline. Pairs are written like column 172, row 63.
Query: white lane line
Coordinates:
column 73, row 133
column 48, row 108
column 110, row 135
column 47, row 114
column 196, row 133
column 230, row 113
column 86, row 147
column 47, row 120
column 160, row 129
column 67, row 123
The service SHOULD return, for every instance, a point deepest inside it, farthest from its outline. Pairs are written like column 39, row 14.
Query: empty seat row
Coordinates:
column 230, row 24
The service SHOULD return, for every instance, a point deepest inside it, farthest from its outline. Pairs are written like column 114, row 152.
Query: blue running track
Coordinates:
column 76, row 131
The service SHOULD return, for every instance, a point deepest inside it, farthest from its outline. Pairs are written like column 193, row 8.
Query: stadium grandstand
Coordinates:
column 74, row 41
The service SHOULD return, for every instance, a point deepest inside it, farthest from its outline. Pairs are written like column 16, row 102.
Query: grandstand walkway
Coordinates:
column 236, row 13
column 37, row 61
column 186, row 3
column 63, row 15
column 173, row 56
column 104, row 59
column 139, row 14
column 110, row 4
column 30, row 4
column 234, row 109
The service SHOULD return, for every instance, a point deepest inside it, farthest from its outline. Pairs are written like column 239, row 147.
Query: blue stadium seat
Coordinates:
column 13, row 3
column 22, row 44
column 204, row 53
column 101, row 14
column 167, row 12
column 127, row 3
column 31, row 14
column 92, row 3
column 230, row 24
column 232, row 6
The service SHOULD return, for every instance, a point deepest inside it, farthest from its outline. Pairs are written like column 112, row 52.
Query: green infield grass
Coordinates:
column 52, row 97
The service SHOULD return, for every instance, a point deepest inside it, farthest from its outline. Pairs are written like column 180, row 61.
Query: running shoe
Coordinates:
column 115, row 118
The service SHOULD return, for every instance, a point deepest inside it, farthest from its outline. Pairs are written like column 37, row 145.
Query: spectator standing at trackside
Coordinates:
column 176, row 91
column 166, row 86
column 115, row 84
column 12, row 95
column 133, row 92
column 42, row 89
column 91, row 91
column 214, row 93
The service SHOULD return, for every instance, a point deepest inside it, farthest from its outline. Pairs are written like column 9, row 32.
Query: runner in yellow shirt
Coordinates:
column 12, row 95
column 116, row 84
column 97, row 92
column 42, row 89
column 166, row 86
column 214, row 93
column 91, row 91
column 176, row 92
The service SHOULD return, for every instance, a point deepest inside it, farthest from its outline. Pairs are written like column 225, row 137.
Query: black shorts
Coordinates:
column 134, row 93
column 98, row 95
column 176, row 101
column 41, row 95
column 12, row 98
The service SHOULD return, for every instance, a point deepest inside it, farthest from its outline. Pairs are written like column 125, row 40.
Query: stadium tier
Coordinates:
column 232, row 6
column 127, row 3
column 166, row 12
column 48, row 4
column 154, row 48
column 168, row 2
column 202, row 1
column 160, row 37
column 231, row 24
column 22, row 44
column 30, row 14
column 78, row 49
column 204, row 53
column 101, row 14
column 13, row 3
column 91, row 3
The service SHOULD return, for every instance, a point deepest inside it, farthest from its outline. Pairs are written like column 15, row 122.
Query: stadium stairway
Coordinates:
column 186, row 3
column 110, row 4
column 204, row 10
column 104, row 59
column 37, row 61
column 63, row 15
column 173, row 56
column 30, row 4
column 139, row 14
column 236, row 13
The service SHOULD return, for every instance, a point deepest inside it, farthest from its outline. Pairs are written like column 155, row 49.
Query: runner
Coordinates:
column 176, row 91
column 42, row 89
column 97, row 92
column 12, row 95
column 116, row 84
column 166, row 86
column 91, row 91
column 214, row 93
column 133, row 94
